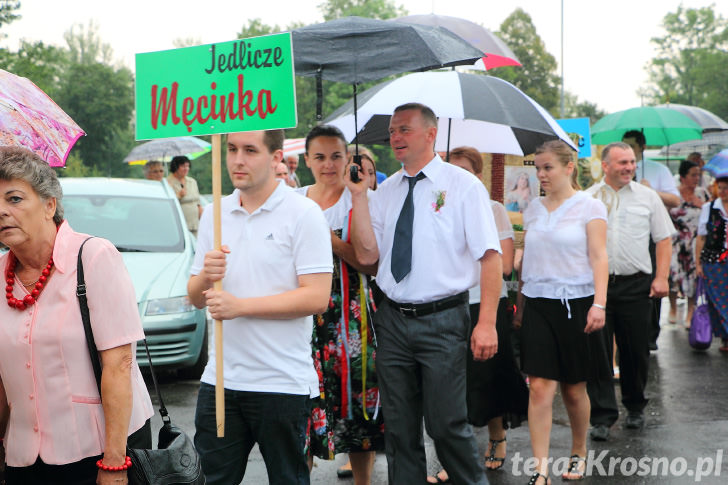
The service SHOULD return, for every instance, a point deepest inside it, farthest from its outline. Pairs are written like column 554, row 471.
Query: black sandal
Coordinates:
column 494, row 459
column 536, row 476
column 574, row 469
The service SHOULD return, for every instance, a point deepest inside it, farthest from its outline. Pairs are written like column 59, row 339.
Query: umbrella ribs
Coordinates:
column 212, row 106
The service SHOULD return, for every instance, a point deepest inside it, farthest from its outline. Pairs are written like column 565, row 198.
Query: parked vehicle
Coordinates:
column 144, row 221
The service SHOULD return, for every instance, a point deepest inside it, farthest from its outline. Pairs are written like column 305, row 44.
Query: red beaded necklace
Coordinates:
column 29, row 300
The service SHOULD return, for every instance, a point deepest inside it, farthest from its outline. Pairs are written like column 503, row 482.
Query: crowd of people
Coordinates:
column 355, row 312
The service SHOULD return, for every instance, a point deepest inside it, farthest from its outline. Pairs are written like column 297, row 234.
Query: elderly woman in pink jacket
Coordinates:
column 55, row 426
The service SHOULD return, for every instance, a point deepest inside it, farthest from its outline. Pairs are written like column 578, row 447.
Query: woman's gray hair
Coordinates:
column 19, row 163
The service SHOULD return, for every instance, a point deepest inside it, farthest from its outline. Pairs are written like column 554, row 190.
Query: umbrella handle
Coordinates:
column 354, row 170
column 319, row 96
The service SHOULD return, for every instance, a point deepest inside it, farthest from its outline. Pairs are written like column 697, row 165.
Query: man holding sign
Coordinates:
column 276, row 263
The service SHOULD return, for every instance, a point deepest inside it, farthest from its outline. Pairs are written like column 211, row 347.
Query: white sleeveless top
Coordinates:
column 555, row 256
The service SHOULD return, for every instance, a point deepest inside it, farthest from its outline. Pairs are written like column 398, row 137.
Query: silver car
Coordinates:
column 144, row 221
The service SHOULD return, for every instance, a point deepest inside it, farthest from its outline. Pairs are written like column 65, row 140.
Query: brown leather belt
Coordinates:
column 422, row 309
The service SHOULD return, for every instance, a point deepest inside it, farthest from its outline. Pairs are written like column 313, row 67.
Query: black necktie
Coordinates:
column 402, row 244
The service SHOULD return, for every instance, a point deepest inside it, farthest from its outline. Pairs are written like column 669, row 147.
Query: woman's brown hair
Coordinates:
column 564, row 154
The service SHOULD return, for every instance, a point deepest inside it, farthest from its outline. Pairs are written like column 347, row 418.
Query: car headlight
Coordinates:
column 164, row 306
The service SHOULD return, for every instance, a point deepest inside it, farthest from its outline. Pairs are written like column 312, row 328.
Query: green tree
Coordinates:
column 690, row 66
column 76, row 168
column 8, row 9
column 575, row 108
column 537, row 76
column 100, row 99
column 41, row 63
column 712, row 71
column 85, row 46
column 377, row 9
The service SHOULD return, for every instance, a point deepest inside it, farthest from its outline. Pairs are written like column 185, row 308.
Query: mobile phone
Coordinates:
column 354, row 170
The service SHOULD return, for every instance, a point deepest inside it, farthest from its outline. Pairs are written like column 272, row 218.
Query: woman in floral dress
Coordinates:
column 685, row 217
column 346, row 417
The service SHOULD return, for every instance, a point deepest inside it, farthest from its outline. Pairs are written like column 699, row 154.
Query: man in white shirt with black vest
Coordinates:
column 276, row 263
column 427, row 226
column 635, row 213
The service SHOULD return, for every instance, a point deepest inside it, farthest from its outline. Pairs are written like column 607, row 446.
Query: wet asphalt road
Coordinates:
column 685, row 436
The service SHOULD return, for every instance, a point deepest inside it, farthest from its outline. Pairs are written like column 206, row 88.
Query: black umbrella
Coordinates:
column 356, row 50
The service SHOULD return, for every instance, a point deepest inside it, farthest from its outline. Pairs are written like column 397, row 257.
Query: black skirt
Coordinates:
column 496, row 386
column 555, row 347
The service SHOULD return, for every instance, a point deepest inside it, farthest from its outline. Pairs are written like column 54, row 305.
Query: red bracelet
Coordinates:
column 127, row 464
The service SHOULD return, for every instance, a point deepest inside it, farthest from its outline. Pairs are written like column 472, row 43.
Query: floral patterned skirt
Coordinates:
column 716, row 285
column 346, row 417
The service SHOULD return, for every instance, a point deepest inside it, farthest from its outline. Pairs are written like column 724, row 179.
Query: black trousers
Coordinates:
column 629, row 317
column 421, row 365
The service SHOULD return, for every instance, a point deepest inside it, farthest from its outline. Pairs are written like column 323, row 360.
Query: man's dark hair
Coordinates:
column 325, row 130
column 273, row 139
column 177, row 161
column 638, row 136
column 427, row 114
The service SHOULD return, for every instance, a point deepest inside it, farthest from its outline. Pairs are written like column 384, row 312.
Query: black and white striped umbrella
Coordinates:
column 476, row 110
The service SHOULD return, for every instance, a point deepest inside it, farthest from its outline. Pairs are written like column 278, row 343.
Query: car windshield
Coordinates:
column 130, row 223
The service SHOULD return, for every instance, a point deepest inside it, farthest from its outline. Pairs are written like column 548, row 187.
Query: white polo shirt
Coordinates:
column 634, row 213
column 453, row 227
column 286, row 237
column 658, row 175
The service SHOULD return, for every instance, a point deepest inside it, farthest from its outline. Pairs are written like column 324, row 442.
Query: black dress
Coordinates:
column 496, row 386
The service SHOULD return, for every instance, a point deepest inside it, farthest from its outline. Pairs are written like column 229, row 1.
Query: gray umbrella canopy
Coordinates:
column 711, row 143
column 164, row 149
column 497, row 52
column 708, row 121
column 356, row 50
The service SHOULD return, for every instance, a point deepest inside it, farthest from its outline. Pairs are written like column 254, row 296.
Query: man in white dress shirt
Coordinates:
column 635, row 213
column 426, row 226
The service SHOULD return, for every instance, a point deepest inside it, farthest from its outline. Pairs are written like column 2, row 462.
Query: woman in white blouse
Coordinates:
column 562, row 305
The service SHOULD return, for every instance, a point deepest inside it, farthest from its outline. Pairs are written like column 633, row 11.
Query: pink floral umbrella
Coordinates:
column 30, row 119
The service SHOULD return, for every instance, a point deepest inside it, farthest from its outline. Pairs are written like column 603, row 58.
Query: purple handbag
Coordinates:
column 701, row 328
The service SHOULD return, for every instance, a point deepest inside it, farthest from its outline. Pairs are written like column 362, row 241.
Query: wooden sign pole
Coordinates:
column 216, row 194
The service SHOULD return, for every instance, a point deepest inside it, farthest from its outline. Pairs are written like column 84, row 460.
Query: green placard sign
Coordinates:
column 242, row 85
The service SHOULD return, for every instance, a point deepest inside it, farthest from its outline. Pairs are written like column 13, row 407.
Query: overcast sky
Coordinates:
column 606, row 42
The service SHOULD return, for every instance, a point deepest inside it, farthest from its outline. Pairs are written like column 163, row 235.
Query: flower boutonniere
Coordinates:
column 439, row 200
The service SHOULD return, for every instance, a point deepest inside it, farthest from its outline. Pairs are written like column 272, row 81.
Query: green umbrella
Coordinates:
column 661, row 126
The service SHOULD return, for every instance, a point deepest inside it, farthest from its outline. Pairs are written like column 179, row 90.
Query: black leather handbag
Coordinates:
column 175, row 461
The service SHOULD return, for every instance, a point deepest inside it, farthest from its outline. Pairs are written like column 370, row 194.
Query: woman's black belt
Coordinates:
column 422, row 309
